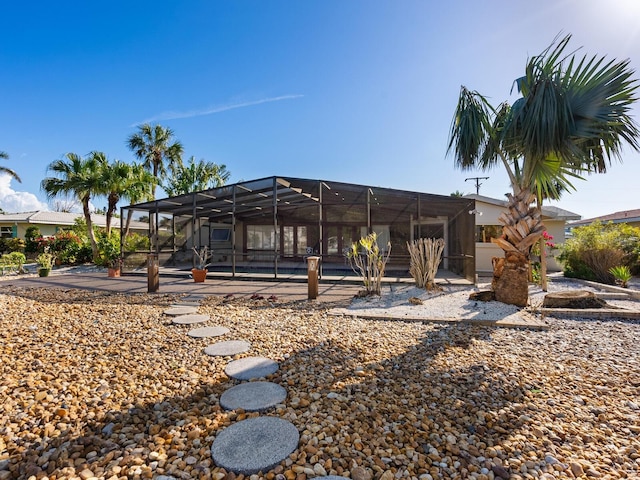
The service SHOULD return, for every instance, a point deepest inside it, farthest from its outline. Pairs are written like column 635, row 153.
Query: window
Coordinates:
column 261, row 237
column 484, row 233
column 6, row 232
column 220, row 234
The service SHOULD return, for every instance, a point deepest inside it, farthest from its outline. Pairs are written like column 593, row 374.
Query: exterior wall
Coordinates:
column 45, row 230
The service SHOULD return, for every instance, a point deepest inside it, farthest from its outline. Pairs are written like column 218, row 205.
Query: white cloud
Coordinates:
column 16, row 202
column 218, row 109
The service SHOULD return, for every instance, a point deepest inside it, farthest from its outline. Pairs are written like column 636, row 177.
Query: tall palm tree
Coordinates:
column 8, row 171
column 114, row 177
column 80, row 177
column 138, row 188
column 154, row 145
column 196, row 176
column 573, row 118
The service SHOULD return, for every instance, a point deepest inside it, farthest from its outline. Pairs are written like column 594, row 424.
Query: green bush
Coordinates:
column 13, row 262
column 14, row 244
column 594, row 249
column 30, row 243
column 134, row 242
column 109, row 249
column 65, row 246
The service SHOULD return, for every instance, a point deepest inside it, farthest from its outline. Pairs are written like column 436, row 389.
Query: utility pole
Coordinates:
column 477, row 180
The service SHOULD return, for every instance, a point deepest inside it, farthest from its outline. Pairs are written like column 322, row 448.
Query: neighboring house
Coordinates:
column 14, row 225
column 487, row 212
column 631, row 217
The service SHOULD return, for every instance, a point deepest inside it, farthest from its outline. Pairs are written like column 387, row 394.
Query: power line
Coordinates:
column 477, row 180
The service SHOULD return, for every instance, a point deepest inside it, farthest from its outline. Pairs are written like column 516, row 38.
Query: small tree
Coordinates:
column 426, row 255
column 368, row 261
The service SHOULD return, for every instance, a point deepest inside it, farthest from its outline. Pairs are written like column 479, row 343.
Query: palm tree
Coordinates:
column 154, row 145
column 138, row 188
column 196, row 176
column 113, row 179
column 8, row 171
column 573, row 118
column 80, row 177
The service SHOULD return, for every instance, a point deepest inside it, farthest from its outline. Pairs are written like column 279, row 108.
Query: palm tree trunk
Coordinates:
column 90, row 232
column 521, row 228
column 128, row 224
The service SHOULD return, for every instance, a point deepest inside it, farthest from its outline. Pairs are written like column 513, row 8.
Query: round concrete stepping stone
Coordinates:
column 253, row 396
column 204, row 332
column 254, row 445
column 175, row 311
column 224, row 349
column 251, row 367
column 190, row 319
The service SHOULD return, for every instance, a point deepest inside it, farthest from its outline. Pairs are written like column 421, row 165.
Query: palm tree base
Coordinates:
column 511, row 279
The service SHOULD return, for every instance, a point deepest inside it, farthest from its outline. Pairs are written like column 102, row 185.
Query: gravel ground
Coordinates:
column 102, row 385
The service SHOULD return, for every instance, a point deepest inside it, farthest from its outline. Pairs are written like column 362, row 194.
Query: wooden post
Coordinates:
column 153, row 273
column 312, row 277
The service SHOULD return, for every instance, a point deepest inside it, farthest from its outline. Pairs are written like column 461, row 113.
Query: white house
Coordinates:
column 487, row 212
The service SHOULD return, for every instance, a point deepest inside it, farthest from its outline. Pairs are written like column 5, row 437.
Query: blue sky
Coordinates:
column 355, row 91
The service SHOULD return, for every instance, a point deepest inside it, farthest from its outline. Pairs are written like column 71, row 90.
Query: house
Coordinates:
column 487, row 212
column 271, row 225
column 14, row 225
column 631, row 217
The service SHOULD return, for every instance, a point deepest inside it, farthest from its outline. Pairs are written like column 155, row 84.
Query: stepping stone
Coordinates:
column 253, row 396
column 186, row 304
column 204, row 332
column 175, row 311
column 225, row 349
column 190, row 319
column 254, row 445
column 195, row 297
column 251, row 367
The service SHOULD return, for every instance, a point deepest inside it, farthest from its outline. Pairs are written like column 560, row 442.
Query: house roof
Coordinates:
column 624, row 216
column 44, row 217
column 549, row 212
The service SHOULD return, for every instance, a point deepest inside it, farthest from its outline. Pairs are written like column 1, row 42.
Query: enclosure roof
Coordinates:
column 253, row 198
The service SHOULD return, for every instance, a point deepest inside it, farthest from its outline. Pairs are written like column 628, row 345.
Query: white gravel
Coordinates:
column 452, row 302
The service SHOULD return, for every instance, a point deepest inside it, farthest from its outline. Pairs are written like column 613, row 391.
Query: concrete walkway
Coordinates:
column 285, row 291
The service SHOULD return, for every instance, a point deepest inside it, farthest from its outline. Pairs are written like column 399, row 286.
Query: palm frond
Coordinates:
column 471, row 130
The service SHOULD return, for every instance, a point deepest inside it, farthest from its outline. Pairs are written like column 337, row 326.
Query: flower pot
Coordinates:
column 113, row 272
column 198, row 275
column 43, row 272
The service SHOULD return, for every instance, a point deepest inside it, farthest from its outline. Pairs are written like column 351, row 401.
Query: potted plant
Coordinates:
column 45, row 263
column 199, row 272
column 109, row 248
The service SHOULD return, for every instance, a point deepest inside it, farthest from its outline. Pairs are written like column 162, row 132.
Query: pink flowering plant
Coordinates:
column 550, row 247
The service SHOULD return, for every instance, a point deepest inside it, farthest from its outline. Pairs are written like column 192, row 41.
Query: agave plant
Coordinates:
column 622, row 274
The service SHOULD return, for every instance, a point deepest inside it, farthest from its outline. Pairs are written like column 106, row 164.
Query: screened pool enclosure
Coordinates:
column 270, row 225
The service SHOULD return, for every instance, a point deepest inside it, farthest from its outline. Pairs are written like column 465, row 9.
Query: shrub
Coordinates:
column 134, row 242
column 65, row 246
column 14, row 244
column 30, row 243
column 367, row 260
column 13, row 261
column 594, row 249
column 109, row 250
